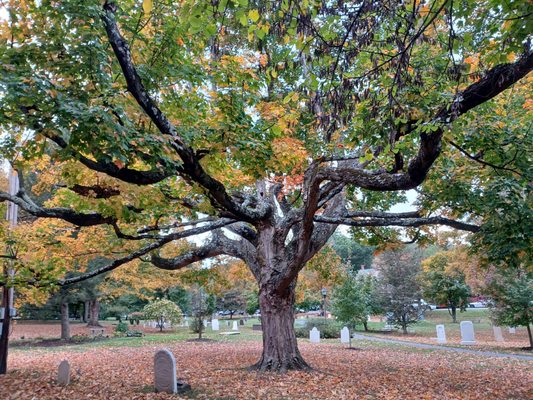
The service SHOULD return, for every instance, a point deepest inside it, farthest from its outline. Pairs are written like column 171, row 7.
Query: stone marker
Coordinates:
column 512, row 329
column 227, row 323
column 498, row 335
column 235, row 326
column 165, row 372
column 257, row 327
column 205, row 323
column 314, row 335
column 467, row 333
column 345, row 335
column 230, row 333
column 241, row 322
column 63, row 373
column 441, row 334
column 215, row 325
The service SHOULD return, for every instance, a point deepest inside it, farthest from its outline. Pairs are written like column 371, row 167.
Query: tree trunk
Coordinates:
column 530, row 336
column 365, row 325
column 65, row 325
column 404, row 325
column 94, row 312
column 454, row 314
column 86, row 311
column 200, row 323
column 280, row 348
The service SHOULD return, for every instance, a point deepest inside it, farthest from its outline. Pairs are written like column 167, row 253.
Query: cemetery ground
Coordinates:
column 122, row 368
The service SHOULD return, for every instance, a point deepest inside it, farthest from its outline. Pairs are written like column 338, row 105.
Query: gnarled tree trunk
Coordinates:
column 280, row 348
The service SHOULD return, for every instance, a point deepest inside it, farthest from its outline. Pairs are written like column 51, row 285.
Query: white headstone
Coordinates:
column 205, row 323
column 467, row 333
column 187, row 323
column 512, row 329
column 345, row 335
column 165, row 372
column 498, row 335
column 441, row 334
column 215, row 325
column 63, row 373
column 235, row 326
column 314, row 335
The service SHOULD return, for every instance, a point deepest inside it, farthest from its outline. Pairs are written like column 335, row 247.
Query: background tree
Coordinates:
column 512, row 299
column 399, row 287
column 162, row 311
column 231, row 301
column 352, row 253
column 203, row 305
column 445, row 285
column 355, row 300
column 276, row 121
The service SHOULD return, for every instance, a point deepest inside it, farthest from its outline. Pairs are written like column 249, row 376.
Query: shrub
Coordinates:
column 196, row 325
column 134, row 334
column 328, row 330
column 121, row 328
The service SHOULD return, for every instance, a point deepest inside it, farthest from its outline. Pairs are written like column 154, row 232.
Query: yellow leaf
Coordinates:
column 253, row 15
column 147, row 6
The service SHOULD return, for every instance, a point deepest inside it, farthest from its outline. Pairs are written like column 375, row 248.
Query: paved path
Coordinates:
column 437, row 347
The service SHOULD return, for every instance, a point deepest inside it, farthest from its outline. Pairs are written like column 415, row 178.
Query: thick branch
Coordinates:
column 191, row 161
column 494, row 82
column 66, row 214
column 146, row 249
column 405, row 222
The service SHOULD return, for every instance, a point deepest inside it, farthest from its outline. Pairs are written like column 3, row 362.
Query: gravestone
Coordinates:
column 241, row 322
column 257, row 327
column 512, row 329
column 345, row 335
column 498, row 335
column 228, row 323
column 441, row 334
column 235, row 326
column 215, row 325
column 205, row 323
column 467, row 333
column 165, row 372
column 388, row 327
column 63, row 373
column 187, row 323
column 314, row 335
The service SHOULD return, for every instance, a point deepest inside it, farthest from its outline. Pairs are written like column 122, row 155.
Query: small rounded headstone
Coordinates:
column 165, row 372
column 63, row 373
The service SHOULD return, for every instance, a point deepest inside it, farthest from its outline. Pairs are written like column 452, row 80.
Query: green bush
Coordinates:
column 121, row 328
column 328, row 330
column 134, row 334
column 196, row 325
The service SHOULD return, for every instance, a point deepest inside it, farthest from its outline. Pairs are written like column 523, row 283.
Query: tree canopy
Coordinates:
column 266, row 125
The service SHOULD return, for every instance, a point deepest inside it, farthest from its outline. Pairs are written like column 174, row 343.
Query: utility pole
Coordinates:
column 6, row 310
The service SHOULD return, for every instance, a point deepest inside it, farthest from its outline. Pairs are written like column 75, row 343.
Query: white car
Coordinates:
column 478, row 304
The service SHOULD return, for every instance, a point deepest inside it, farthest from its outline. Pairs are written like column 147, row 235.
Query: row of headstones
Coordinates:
column 467, row 333
column 215, row 325
column 314, row 335
column 165, row 379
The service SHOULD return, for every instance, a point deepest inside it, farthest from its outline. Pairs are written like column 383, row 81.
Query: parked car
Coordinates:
column 478, row 304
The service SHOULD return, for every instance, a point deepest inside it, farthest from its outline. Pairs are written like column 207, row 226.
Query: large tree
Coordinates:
column 275, row 121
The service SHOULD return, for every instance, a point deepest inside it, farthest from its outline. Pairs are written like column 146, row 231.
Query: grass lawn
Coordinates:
column 425, row 331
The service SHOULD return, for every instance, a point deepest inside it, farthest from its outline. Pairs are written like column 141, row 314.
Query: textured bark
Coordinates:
column 94, row 312
column 65, row 325
column 280, row 348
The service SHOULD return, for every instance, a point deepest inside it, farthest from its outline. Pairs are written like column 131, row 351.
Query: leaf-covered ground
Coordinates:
column 122, row 369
